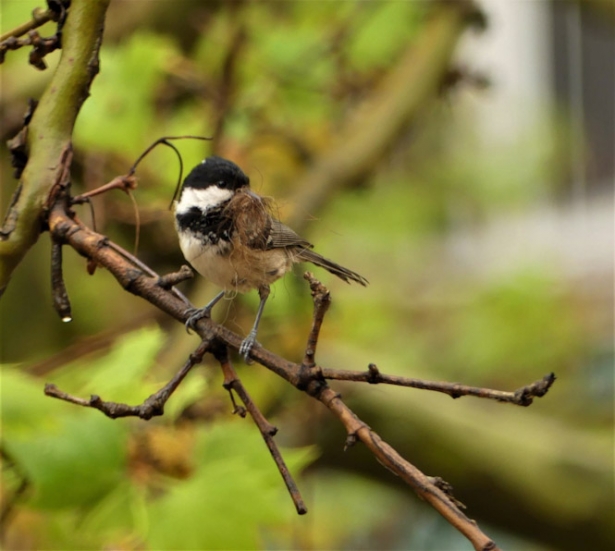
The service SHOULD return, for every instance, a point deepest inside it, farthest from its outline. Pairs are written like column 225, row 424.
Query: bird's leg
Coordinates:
column 248, row 342
column 197, row 313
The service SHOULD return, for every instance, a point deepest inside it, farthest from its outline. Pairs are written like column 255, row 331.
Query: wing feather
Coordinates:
column 281, row 236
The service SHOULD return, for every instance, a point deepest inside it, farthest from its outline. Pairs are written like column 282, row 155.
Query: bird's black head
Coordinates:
column 216, row 171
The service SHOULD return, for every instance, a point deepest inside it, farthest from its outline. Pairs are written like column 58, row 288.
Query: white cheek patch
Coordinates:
column 204, row 199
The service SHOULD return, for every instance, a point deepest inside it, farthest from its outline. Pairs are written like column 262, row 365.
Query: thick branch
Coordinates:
column 49, row 134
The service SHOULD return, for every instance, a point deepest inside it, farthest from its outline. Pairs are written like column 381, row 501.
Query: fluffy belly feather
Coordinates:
column 240, row 269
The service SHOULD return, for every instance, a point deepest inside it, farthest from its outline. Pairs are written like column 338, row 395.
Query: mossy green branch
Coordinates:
column 51, row 128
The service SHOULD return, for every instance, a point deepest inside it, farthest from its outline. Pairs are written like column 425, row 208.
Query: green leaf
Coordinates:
column 117, row 376
column 70, row 456
column 235, row 490
column 117, row 117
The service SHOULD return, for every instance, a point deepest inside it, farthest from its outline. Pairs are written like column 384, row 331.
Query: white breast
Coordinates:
column 207, row 261
column 238, row 270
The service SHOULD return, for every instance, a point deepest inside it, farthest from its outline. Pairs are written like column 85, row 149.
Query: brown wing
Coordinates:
column 281, row 236
column 257, row 229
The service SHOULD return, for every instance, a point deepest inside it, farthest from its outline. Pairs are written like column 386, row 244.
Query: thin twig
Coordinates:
column 124, row 183
column 151, row 407
column 322, row 301
column 41, row 47
column 167, row 281
column 267, row 430
column 61, row 302
column 521, row 397
column 435, row 491
column 425, row 486
column 39, row 18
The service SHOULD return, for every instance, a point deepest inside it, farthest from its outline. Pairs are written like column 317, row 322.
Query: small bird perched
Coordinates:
column 229, row 236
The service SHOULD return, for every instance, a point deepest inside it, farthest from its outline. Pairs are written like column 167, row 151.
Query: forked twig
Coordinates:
column 41, row 46
column 322, row 301
column 307, row 377
column 39, row 18
column 153, row 406
column 434, row 490
column 267, row 430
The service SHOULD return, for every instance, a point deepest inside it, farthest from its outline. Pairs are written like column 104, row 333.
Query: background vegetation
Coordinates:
column 282, row 86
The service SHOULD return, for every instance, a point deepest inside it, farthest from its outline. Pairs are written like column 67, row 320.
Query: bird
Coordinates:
column 229, row 236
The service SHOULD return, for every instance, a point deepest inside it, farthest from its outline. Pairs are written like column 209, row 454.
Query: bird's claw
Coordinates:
column 246, row 346
column 194, row 315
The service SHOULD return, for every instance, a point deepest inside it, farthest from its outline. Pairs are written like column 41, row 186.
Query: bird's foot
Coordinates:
column 246, row 345
column 195, row 314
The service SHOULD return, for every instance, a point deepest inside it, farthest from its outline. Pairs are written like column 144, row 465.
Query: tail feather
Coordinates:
column 307, row 255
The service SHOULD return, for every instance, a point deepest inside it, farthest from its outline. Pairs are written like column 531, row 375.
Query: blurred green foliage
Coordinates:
column 521, row 310
column 78, row 467
column 120, row 116
column 197, row 480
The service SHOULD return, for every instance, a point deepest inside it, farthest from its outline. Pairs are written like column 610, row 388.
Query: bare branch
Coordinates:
column 267, row 430
column 61, row 302
column 151, row 407
column 39, row 18
column 310, row 379
column 322, row 301
column 521, row 397
column 428, row 488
